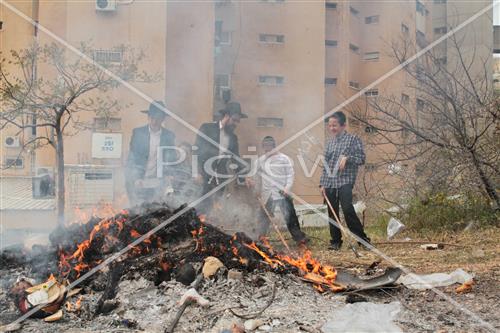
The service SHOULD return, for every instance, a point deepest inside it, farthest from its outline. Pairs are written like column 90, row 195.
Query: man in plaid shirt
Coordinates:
column 343, row 156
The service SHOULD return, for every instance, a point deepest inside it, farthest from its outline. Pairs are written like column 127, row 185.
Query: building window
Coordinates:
column 14, row 162
column 437, row 2
column 270, row 122
column 329, row 42
column 107, row 124
column 223, row 86
column 404, row 28
column 221, row 37
column 405, row 99
column 1, row 25
column 353, row 11
column 271, row 39
column 371, row 92
column 331, row 5
column 225, row 38
column 271, row 80
column 440, row 30
column 223, row 80
column 372, row 19
column 420, row 8
column 442, row 60
column 354, row 84
column 108, row 56
column 354, row 48
column 371, row 56
column 420, row 37
column 420, row 104
column 331, row 80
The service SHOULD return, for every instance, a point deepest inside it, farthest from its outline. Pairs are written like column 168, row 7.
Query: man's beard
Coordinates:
column 229, row 128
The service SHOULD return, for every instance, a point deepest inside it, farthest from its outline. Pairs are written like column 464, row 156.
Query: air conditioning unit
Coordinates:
column 12, row 142
column 105, row 5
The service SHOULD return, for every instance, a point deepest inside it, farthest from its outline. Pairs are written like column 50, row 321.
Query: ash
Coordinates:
column 142, row 306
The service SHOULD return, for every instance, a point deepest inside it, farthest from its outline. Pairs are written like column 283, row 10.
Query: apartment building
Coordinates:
column 361, row 38
column 177, row 39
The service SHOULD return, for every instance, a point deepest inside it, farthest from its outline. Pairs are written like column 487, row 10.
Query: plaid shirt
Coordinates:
column 343, row 144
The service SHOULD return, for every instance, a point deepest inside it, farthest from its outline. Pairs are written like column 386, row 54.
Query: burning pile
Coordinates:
column 185, row 239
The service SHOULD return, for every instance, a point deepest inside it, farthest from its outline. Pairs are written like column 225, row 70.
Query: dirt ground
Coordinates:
column 475, row 251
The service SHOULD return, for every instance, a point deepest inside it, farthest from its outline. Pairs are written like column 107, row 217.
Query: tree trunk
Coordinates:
column 490, row 189
column 61, row 202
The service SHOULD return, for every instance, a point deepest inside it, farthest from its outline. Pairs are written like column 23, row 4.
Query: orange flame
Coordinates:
column 272, row 262
column 107, row 214
column 311, row 269
column 70, row 307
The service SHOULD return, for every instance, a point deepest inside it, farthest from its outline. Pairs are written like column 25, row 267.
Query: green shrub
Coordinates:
column 440, row 212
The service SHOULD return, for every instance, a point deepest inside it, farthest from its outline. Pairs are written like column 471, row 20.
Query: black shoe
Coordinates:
column 335, row 246
column 303, row 242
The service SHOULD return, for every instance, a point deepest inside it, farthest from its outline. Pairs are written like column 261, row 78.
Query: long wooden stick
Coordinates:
column 416, row 242
column 346, row 233
column 275, row 225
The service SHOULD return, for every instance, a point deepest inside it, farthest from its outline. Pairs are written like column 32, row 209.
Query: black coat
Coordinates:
column 207, row 149
column 139, row 150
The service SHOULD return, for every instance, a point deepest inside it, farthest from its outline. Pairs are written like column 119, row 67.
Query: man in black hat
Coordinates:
column 143, row 181
column 215, row 155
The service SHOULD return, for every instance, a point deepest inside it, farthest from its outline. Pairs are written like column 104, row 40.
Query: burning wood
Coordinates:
column 236, row 251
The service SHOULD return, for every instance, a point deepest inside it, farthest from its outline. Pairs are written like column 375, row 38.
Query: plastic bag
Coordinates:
column 428, row 281
column 363, row 317
column 394, row 227
column 359, row 207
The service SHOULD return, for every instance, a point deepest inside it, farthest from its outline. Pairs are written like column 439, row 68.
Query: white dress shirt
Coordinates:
column 154, row 143
column 278, row 168
column 224, row 140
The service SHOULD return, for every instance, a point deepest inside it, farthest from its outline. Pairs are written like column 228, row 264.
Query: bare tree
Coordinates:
column 450, row 135
column 56, row 104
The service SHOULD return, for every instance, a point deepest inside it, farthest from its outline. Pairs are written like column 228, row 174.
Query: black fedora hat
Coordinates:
column 233, row 108
column 155, row 110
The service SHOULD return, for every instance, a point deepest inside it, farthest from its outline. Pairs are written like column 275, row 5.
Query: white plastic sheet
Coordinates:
column 427, row 281
column 364, row 317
